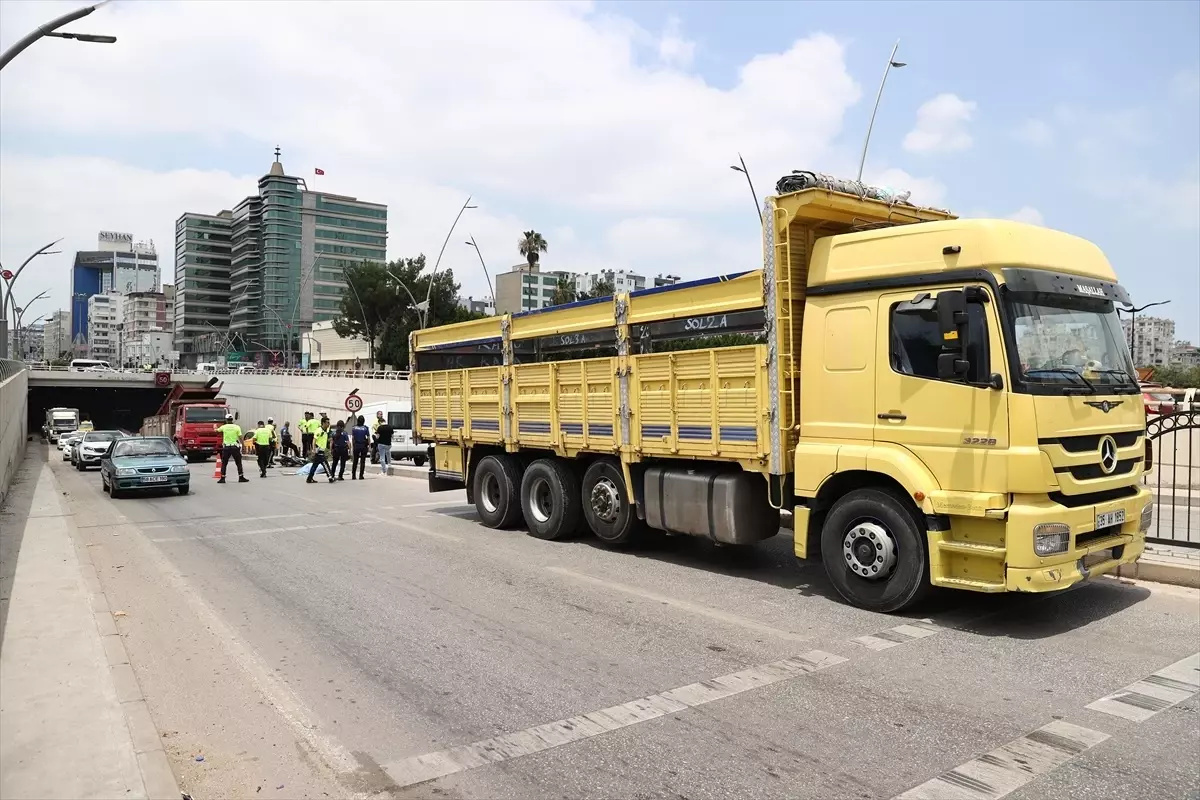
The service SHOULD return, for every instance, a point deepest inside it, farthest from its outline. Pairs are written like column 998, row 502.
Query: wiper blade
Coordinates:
column 1129, row 382
column 1064, row 371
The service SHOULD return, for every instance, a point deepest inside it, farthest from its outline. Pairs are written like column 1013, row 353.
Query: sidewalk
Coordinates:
column 72, row 719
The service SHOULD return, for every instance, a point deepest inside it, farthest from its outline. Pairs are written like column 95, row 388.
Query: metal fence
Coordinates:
column 1174, row 443
column 379, row 374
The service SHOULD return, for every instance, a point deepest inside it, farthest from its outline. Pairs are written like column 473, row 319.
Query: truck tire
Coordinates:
column 497, row 489
column 418, row 461
column 550, row 499
column 875, row 553
column 606, row 505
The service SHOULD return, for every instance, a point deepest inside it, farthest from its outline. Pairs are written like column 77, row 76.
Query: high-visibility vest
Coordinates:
column 262, row 435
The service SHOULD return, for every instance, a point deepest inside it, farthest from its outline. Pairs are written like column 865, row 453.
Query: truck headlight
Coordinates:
column 1146, row 518
column 1051, row 538
column 126, row 472
column 179, row 468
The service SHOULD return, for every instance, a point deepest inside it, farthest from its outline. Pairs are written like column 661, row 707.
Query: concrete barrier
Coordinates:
column 14, row 420
column 287, row 397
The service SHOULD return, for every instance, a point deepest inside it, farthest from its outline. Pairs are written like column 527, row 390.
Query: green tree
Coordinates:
column 531, row 245
column 1177, row 376
column 368, row 307
column 564, row 292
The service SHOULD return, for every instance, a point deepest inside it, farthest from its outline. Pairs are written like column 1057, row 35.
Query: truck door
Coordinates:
column 951, row 424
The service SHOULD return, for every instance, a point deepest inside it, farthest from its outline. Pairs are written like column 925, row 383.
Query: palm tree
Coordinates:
column 564, row 292
column 530, row 245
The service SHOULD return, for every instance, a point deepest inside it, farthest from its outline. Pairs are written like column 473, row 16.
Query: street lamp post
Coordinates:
column 50, row 28
column 1133, row 312
column 18, row 315
column 742, row 169
column 10, row 278
column 892, row 62
column 485, row 270
column 449, row 233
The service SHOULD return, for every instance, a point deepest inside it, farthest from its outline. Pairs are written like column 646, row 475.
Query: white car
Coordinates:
column 91, row 448
column 66, row 441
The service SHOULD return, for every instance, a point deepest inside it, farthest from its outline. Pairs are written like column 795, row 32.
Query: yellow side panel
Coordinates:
column 486, row 328
column 448, row 458
column 563, row 320
column 587, row 404
column 700, row 403
column 484, row 404
column 532, row 404
column 742, row 292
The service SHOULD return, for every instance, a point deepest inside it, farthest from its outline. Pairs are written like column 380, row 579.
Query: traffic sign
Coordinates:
column 162, row 379
column 6, row 274
column 354, row 403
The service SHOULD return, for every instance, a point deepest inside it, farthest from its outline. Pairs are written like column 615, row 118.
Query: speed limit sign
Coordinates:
column 354, row 403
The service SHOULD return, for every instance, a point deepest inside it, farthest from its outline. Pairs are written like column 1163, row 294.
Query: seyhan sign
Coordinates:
column 113, row 236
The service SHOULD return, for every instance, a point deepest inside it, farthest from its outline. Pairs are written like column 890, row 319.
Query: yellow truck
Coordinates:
column 937, row 401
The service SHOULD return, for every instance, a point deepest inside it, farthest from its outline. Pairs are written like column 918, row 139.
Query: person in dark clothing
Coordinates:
column 285, row 437
column 339, row 445
column 383, row 443
column 360, row 439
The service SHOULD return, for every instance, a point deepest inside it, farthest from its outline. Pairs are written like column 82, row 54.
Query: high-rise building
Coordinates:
column 1151, row 341
column 118, row 264
column 103, row 317
column 202, row 261
column 56, row 336
column 28, row 342
column 287, row 249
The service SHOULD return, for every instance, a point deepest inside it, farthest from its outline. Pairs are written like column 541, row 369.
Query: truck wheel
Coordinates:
column 606, row 505
column 874, row 551
column 418, row 461
column 550, row 499
column 497, row 490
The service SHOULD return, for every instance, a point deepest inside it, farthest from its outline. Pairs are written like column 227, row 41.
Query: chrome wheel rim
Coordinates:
column 869, row 550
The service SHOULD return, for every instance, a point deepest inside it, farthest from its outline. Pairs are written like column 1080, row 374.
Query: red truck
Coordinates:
column 190, row 417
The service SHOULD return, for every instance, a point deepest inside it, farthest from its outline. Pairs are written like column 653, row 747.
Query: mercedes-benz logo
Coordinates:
column 1108, row 455
column 1104, row 405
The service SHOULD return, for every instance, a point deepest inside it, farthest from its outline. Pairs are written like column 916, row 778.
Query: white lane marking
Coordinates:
column 419, row 769
column 1011, row 766
column 414, row 528
column 1141, row 700
column 288, row 529
column 223, row 521
column 897, row 635
column 279, row 695
column 683, row 605
column 446, row 503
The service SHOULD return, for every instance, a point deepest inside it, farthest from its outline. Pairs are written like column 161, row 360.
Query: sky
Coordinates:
column 609, row 127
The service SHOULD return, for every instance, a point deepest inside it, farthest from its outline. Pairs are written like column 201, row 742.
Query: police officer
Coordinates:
column 320, row 451
column 231, row 447
column 262, row 447
column 274, row 442
column 307, row 429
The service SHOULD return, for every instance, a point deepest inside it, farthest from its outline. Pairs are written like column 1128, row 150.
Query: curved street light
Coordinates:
column 50, row 28
column 10, row 279
column 491, row 291
column 892, row 62
column 449, row 233
column 742, row 169
column 1133, row 312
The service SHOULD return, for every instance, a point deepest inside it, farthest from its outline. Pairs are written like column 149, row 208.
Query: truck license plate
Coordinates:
column 1106, row 519
column 155, row 479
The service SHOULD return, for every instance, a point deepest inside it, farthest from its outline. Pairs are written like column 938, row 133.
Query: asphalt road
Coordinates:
column 368, row 639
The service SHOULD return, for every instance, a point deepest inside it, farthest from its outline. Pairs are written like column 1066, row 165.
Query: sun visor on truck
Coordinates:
column 1036, row 280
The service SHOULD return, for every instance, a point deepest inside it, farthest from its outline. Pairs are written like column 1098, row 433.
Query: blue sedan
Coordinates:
column 151, row 462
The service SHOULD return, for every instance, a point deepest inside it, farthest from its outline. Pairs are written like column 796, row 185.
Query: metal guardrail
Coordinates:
column 378, row 374
column 1174, row 443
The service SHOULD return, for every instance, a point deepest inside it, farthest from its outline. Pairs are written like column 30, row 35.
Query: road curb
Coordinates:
column 1174, row 571
column 157, row 776
column 1174, row 497
column 420, row 473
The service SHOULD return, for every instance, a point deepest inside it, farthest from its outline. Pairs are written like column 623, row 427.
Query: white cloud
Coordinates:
column 1036, row 132
column 673, row 49
column 925, row 191
column 1185, row 85
column 415, row 105
column 941, row 125
column 1027, row 214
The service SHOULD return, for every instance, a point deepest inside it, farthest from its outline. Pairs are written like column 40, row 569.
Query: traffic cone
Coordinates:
column 217, row 469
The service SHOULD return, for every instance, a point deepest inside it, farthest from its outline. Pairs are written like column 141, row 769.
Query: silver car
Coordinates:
column 66, row 441
column 88, row 451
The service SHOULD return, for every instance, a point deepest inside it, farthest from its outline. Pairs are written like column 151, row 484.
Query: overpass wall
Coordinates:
column 14, row 401
column 287, row 397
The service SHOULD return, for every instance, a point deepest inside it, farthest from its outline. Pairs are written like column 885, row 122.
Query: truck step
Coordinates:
column 972, row 549
column 969, row 585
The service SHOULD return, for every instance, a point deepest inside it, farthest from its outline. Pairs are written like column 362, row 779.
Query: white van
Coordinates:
column 90, row 365
column 399, row 416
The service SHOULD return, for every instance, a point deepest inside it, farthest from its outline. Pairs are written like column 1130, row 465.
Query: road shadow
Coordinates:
column 773, row 562
column 14, row 517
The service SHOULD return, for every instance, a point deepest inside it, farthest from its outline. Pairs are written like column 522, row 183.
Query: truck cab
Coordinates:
column 974, row 372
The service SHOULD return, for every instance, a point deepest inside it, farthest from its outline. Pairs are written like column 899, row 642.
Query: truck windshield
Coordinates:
column 206, row 415
column 1067, row 341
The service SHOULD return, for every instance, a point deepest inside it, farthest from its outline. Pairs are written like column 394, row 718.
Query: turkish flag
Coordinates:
column 319, row 171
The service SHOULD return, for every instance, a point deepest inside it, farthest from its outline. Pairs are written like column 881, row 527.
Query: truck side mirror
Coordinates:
column 952, row 363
